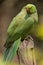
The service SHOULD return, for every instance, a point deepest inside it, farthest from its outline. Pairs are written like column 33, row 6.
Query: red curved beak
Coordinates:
column 28, row 10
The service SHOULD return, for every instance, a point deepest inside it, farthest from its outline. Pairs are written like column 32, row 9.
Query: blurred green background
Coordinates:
column 8, row 9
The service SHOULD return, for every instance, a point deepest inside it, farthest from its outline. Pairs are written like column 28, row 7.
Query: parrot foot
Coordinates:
column 28, row 37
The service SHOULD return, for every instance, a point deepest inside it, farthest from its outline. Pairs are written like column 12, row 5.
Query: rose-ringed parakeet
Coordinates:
column 20, row 27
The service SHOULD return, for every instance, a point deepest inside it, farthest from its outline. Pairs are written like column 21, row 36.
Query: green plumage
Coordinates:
column 13, row 49
column 21, row 26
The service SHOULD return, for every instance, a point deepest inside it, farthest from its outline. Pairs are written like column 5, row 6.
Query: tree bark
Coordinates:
column 26, row 53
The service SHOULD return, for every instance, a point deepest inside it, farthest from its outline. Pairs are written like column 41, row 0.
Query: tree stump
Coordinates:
column 25, row 53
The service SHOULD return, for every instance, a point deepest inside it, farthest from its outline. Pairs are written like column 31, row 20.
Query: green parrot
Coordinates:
column 20, row 27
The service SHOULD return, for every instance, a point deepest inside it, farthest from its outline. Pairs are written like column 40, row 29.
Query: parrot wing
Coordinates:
column 17, row 20
column 21, row 31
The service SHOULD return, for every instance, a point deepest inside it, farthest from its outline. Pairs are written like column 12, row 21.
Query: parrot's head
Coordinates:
column 30, row 8
column 32, row 11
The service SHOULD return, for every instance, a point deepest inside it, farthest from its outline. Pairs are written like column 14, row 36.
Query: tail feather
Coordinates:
column 10, row 52
column 5, row 54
